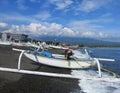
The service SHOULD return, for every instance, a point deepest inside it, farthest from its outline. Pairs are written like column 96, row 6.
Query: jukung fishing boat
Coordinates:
column 76, row 61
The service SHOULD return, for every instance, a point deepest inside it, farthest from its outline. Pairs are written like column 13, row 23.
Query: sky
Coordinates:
column 71, row 18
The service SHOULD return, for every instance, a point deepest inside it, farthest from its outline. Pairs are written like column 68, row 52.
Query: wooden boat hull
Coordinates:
column 61, row 63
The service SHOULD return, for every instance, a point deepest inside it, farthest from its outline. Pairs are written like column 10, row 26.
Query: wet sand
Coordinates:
column 22, row 83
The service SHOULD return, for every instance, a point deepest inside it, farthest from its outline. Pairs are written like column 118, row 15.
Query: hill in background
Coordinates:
column 81, row 41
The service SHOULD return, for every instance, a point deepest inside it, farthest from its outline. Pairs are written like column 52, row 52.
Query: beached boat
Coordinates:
column 58, row 47
column 57, row 60
column 5, row 43
column 78, row 60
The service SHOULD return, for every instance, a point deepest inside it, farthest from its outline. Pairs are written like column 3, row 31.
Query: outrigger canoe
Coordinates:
column 57, row 60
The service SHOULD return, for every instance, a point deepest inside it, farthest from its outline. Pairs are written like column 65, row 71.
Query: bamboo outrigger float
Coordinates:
column 18, row 70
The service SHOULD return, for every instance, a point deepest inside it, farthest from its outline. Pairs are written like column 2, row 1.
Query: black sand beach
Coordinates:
column 21, row 83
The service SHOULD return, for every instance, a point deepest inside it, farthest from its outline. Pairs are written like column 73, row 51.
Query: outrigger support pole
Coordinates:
column 99, row 68
column 20, row 57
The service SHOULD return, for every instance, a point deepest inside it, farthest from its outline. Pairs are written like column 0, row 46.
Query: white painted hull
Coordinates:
column 61, row 63
column 58, row 47
column 6, row 43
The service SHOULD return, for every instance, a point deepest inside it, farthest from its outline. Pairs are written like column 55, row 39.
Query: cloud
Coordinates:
column 90, row 28
column 3, row 25
column 43, row 15
column 61, row 4
column 49, row 29
column 91, row 5
column 106, row 15
column 102, row 35
column 85, row 25
column 21, row 4
column 15, row 17
column 79, row 5
column 88, row 34
column 37, row 29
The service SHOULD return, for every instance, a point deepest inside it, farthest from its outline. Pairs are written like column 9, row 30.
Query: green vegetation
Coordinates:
column 99, row 45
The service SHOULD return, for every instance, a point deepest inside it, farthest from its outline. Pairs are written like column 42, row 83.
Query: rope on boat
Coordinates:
column 78, row 62
column 109, row 71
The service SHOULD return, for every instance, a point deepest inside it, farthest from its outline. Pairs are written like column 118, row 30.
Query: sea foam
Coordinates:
column 96, row 85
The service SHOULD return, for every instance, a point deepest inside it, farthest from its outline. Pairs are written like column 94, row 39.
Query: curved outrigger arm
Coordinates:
column 98, row 63
column 97, row 60
column 20, row 56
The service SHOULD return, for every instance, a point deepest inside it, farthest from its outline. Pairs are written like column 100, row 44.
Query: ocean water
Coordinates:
column 101, row 86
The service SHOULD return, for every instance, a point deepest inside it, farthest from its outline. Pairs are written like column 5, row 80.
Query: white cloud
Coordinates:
column 94, row 35
column 21, row 4
column 88, row 6
column 88, row 34
column 3, row 25
column 106, row 15
column 79, row 29
column 89, row 28
column 69, row 32
column 91, row 5
column 54, row 29
column 102, row 35
column 15, row 17
column 37, row 29
column 80, row 5
column 43, row 15
column 85, row 25
column 61, row 4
